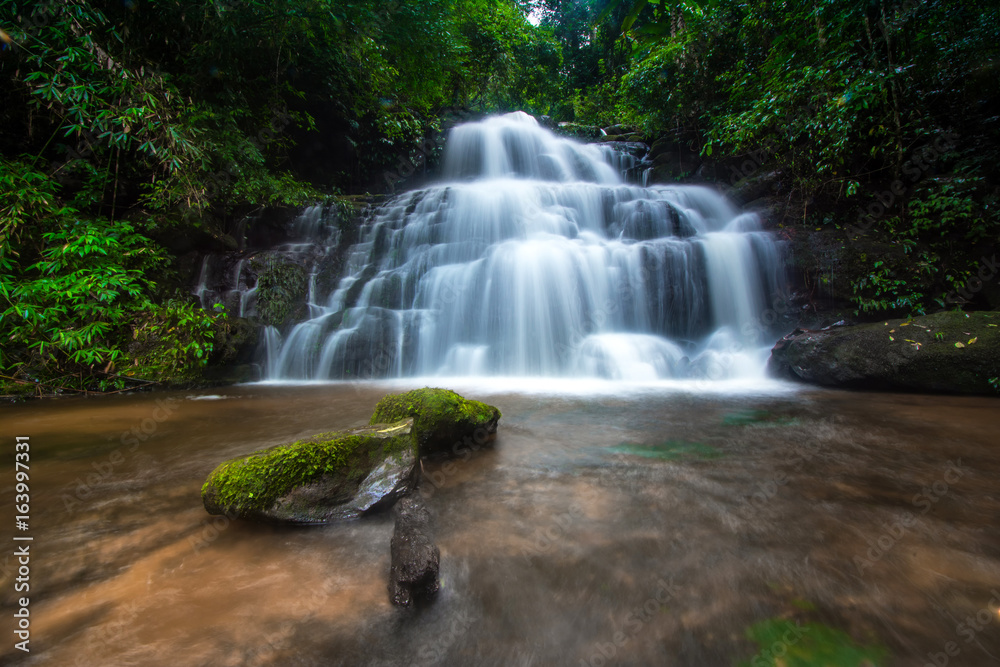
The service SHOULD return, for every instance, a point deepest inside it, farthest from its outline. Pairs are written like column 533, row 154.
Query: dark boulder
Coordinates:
column 636, row 149
column 618, row 129
column 753, row 187
column 671, row 160
column 414, row 572
column 949, row 352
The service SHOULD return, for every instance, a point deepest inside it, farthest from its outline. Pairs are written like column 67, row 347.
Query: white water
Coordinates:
column 534, row 258
column 230, row 278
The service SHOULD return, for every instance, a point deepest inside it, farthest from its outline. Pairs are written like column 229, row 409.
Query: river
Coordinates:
column 609, row 524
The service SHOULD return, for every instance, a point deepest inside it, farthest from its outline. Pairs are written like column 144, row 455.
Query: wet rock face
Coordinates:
column 414, row 572
column 328, row 477
column 946, row 352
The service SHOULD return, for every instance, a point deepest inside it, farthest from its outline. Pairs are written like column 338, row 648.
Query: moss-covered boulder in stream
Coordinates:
column 947, row 352
column 443, row 422
column 328, row 477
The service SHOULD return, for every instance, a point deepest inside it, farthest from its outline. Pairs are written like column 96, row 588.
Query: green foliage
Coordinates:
column 200, row 103
column 948, row 207
column 888, row 289
column 942, row 216
column 75, row 291
column 839, row 89
column 26, row 196
column 584, row 46
column 173, row 340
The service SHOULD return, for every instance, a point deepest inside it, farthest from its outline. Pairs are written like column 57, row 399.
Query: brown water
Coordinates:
column 553, row 544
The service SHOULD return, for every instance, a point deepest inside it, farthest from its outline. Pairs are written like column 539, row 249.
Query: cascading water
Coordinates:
column 230, row 278
column 535, row 258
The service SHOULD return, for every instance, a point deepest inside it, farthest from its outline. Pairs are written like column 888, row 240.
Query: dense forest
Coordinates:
column 136, row 131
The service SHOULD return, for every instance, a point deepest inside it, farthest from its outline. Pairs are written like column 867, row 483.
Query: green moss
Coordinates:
column 255, row 482
column 441, row 418
column 282, row 287
column 816, row 644
column 15, row 390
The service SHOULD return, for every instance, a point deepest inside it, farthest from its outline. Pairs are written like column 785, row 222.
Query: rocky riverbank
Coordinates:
column 948, row 352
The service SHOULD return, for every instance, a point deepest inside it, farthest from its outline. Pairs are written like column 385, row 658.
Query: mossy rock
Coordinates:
column 328, row 477
column 948, row 352
column 444, row 423
column 282, row 288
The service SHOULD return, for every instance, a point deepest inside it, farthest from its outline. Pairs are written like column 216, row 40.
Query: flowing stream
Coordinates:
column 554, row 542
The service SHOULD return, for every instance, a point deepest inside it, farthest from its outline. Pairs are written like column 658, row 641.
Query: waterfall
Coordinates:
column 532, row 257
column 202, row 286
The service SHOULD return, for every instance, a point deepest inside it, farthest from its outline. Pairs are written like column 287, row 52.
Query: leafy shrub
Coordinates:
column 73, row 287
